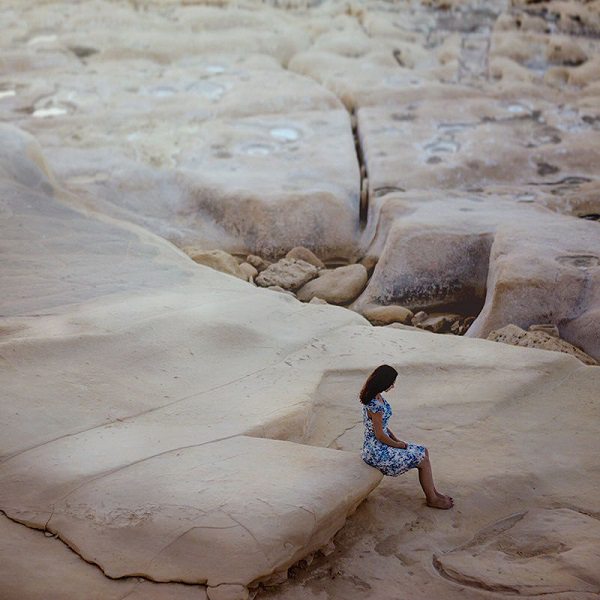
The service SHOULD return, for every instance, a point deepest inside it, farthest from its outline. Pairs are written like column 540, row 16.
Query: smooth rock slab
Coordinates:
column 36, row 567
column 547, row 274
column 477, row 142
column 544, row 551
column 242, row 509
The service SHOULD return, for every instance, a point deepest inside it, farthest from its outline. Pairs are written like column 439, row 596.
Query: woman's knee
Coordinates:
column 426, row 453
column 425, row 462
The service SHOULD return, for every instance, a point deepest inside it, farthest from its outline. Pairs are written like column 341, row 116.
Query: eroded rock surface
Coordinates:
column 470, row 129
column 511, row 334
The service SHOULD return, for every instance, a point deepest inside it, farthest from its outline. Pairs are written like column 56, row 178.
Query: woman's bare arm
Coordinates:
column 380, row 434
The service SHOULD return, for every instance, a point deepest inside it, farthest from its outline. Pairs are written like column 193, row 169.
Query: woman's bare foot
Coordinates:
column 443, row 496
column 443, row 503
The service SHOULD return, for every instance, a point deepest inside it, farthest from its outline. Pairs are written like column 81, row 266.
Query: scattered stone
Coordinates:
column 215, row 259
column 278, row 288
column 248, row 270
column 419, row 317
column 336, row 286
column 328, row 549
column 317, row 300
column 546, row 328
column 439, row 323
column 301, row 253
column 514, row 335
column 369, row 262
column 260, row 264
column 288, row 273
column 468, row 322
column 384, row 315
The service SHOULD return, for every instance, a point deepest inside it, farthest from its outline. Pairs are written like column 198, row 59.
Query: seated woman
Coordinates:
column 382, row 449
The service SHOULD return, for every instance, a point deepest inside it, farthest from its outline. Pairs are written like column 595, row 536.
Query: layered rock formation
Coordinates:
column 189, row 434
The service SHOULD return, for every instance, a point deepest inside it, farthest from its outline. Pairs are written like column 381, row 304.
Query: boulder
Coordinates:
column 216, row 259
column 249, row 271
column 336, row 286
column 438, row 323
column 511, row 334
column 287, row 273
column 419, row 317
column 550, row 272
column 384, row 315
column 301, row 253
column 259, row 263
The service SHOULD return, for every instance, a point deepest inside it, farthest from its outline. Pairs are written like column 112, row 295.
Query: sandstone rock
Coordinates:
column 248, row 270
column 547, row 273
column 260, row 264
column 216, row 259
column 443, row 144
column 546, row 328
column 317, row 300
column 439, row 323
column 384, row 315
column 300, row 253
column 539, row 538
column 565, row 51
column 511, row 334
column 419, row 317
column 288, row 273
column 369, row 262
column 336, row 286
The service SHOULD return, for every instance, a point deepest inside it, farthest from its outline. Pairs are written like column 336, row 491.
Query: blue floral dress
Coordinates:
column 390, row 461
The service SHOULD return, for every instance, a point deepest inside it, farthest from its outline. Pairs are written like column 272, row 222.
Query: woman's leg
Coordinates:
column 434, row 498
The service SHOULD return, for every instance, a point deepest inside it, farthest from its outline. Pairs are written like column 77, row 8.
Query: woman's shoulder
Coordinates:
column 375, row 405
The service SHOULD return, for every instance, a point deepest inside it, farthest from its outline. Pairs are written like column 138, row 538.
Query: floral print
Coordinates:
column 390, row 461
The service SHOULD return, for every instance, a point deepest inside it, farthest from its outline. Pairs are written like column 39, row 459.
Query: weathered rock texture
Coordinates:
column 454, row 144
column 511, row 334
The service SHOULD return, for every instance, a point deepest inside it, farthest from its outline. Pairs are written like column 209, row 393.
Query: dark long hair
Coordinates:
column 378, row 381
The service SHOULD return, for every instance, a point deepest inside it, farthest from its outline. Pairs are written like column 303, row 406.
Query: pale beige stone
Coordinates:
column 216, row 259
column 547, row 272
column 438, row 323
column 384, row 315
column 287, row 273
column 336, row 286
column 36, row 567
column 301, row 253
column 511, row 334
column 259, row 263
column 248, row 270
column 119, row 95
column 540, row 551
column 464, row 143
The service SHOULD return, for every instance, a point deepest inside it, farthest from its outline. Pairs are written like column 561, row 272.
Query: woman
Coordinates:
column 382, row 449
